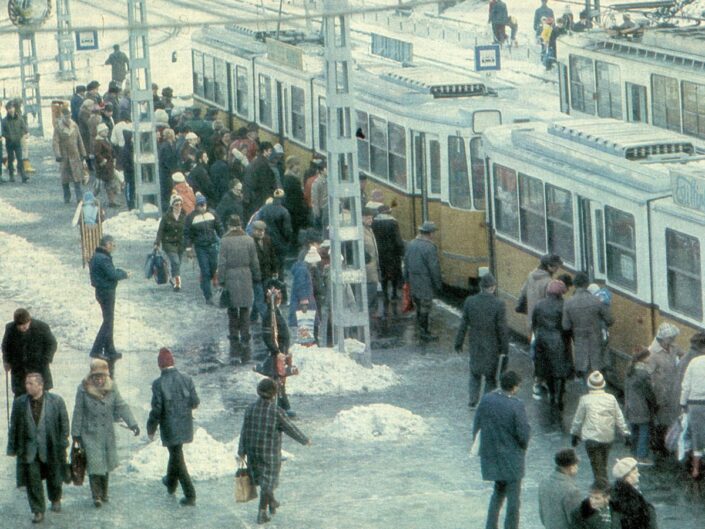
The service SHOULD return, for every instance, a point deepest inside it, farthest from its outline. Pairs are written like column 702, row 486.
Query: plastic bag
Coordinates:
column 305, row 328
column 407, row 304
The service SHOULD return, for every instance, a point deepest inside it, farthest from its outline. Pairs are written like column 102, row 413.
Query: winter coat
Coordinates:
column 390, row 246
column 119, row 63
column 28, row 352
column 319, row 195
column 634, row 511
column 371, row 256
column 663, row 365
column 171, row 232
column 230, row 204
column 639, row 398
column 682, row 368
column 498, row 13
column 23, row 441
column 278, row 222
column 174, row 398
column 585, row 517
column 559, row 496
column 260, row 183
column 301, row 290
column 584, row 315
column 68, row 146
column 94, row 416
column 283, row 335
column 692, row 387
column 104, row 275
column 504, row 429
column 202, row 229
column 484, row 319
column 267, row 257
column 168, row 163
column 534, row 289
column 422, row 269
column 238, row 267
column 552, row 342
column 220, row 178
column 104, row 160
column 261, row 441
column 543, row 11
column 14, row 128
column 200, row 181
column 294, row 201
column 597, row 417
column 84, row 116
column 75, row 103
column 188, row 197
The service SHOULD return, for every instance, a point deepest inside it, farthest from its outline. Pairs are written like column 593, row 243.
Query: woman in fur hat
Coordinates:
column 98, row 404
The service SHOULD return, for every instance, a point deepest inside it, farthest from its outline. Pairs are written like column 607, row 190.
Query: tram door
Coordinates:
column 636, row 103
column 591, row 238
column 420, row 177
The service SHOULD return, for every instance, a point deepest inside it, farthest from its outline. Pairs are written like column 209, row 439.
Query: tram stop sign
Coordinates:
column 86, row 40
column 487, row 58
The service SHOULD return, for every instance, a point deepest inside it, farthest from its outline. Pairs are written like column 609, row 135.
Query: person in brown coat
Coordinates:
column 70, row 153
column 105, row 164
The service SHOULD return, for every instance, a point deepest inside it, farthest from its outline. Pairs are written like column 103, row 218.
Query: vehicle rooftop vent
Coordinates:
column 426, row 80
column 459, row 90
column 626, row 140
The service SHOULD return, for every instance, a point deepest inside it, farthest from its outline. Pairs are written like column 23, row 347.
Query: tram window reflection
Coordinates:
column 477, row 168
column 609, row 90
column 694, row 109
column 532, row 212
column 505, row 201
column 582, row 84
column 378, row 147
column 265, row 100
column 241, row 91
column 683, row 266
column 397, row 155
column 621, row 248
column 298, row 113
column 198, row 73
column 363, row 142
column 559, row 223
column 665, row 107
column 322, row 123
column 458, row 183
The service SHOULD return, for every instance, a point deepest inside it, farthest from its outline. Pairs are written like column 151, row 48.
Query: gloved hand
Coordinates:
column 136, row 430
column 58, row 159
column 628, row 441
column 574, row 440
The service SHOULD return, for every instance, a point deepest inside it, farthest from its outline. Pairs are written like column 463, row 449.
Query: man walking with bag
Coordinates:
column 173, row 399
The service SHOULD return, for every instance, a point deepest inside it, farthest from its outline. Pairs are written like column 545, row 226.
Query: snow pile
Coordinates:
column 12, row 216
column 377, row 422
column 127, row 226
column 323, row 371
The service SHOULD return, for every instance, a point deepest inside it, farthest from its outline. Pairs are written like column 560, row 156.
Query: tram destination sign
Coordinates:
column 285, row 54
column 688, row 189
column 487, row 58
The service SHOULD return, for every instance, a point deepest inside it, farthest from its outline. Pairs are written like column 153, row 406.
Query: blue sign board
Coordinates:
column 487, row 58
column 86, row 40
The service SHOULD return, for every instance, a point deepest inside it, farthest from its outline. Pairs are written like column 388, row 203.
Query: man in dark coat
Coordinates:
column 261, row 443
column 268, row 266
column 559, row 496
column 104, row 278
column 484, row 316
column 168, row 165
column 278, row 221
column 38, row 437
column 260, row 180
column 391, row 251
column 220, row 173
column 14, row 127
column 627, row 501
column 173, row 399
column 200, row 180
column 501, row 421
column 422, row 270
column 231, row 203
column 119, row 64
column 76, row 101
column 202, row 229
column 28, row 346
column 595, row 511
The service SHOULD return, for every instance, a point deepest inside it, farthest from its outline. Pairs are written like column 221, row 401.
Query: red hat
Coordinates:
column 165, row 358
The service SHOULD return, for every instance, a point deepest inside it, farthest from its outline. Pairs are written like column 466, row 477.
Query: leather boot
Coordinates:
column 426, row 335
column 245, row 351
column 262, row 517
column 67, row 193
column 96, row 490
column 105, row 488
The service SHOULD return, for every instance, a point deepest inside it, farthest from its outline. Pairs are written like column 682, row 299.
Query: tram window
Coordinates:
column 298, row 114
column 265, row 100
column 241, row 91
column 477, row 168
column 435, row 156
column 532, row 214
column 582, row 84
column 665, row 107
column 221, row 83
column 683, row 266
column 694, row 109
column 378, row 147
column 621, row 247
column 505, row 201
column 609, row 95
column 208, row 78
column 198, row 73
column 600, row 238
column 397, row 154
column 322, row 123
column 363, row 141
column 559, row 222
column 458, row 183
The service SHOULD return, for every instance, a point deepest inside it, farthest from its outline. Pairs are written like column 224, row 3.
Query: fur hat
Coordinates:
column 556, row 288
column 99, row 367
column 667, row 330
column 267, row 389
column 372, row 208
column 191, row 136
column 596, row 380
column 178, row 177
column 102, row 127
column 93, row 85
column 165, row 358
column 174, row 198
column 623, row 467
column 428, row 227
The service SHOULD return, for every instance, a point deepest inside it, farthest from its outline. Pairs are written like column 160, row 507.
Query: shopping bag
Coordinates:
column 673, row 435
column 78, row 465
column 407, row 304
column 305, row 324
column 245, row 489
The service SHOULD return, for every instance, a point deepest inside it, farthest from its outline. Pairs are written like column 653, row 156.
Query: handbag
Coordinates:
column 245, row 489
column 522, row 306
column 407, row 304
column 78, row 464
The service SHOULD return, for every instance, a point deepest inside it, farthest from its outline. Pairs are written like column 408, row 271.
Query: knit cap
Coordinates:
column 165, row 358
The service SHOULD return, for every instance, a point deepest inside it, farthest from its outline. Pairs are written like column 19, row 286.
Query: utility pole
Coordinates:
column 144, row 135
column 64, row 41
column 348, row 277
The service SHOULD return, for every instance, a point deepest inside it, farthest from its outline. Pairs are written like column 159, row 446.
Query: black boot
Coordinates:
column 245, row 351
column 235, row 350
column 105, row 487
column 96, row 489
column 426, row 335
column 67, row 193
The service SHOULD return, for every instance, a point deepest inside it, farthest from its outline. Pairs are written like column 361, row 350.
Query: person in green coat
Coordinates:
column 98, row 406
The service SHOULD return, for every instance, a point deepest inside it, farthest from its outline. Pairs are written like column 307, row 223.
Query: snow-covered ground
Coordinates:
column 378, row 422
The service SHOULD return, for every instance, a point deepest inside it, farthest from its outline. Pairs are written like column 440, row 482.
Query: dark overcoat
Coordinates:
column 484, row 319
column 552, row 342
column 639, row 397
column 505, row 432
column 173, row 399
column 422, row 268
column 390, row 246
column 28, row 352
column 268, row 263
column 171, row 232
column 278, row 222
column 635, row 512
column 104, row 275
column 260, row 183
column 584, row 315
column 230, row 204
column 104, row 160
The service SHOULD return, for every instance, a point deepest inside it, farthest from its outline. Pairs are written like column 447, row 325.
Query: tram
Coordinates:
column 624, row 202
column 656, row 76
column 418, row 128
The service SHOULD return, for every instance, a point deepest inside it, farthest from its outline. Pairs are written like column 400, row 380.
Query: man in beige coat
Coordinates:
column 371, row 257
column 70, row 153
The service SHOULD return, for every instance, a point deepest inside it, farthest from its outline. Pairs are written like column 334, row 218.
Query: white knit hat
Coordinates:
column 101, row 127
column 623, row 467
column 596, row 380
column 312, row 256
column 178, row 177
column 667, row 330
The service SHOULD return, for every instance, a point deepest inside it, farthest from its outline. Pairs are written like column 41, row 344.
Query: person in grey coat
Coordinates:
column 559, row 496
column 98, row 405
column 38, row 437
column 501, row 422
column 640, row 404
column 484, row 316
column 583, row 316
column 173, row 399
column 422, row 270
column 238, row 269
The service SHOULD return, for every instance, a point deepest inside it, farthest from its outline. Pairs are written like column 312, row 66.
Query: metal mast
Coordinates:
column 29, row 74
column 144, row 136
column 348, row 277
column 64, row 41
